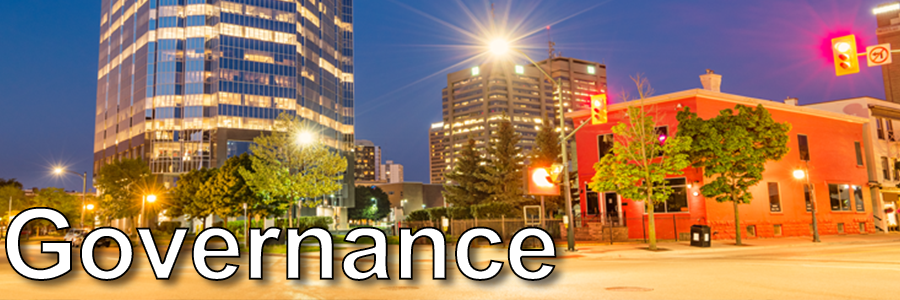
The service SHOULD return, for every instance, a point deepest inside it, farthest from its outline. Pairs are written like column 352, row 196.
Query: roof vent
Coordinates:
column 791, row 101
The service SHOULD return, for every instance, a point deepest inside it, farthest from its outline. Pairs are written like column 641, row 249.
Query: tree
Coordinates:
column 11, row 182
column 502, row 176
column 371, row 204
column 14, row 194
column 227, row 190
column 462, row 190
column 58, row 199
column 639, row 162
column 545, row 153
column 187, row 199
column 732, row 150
column 289, row 165
column 122, row 185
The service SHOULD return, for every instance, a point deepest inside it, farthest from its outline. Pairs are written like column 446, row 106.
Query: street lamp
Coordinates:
column 804, row 174
column 61, row 171
column 147, row 198
column 500, row 47
column 306, row 138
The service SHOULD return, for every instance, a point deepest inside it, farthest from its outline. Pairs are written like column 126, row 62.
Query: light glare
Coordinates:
column 799, row 174
column 499, row 47
column 842, row 47
column 886, row 8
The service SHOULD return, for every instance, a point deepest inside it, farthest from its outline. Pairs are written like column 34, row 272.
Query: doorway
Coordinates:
column 611, row 204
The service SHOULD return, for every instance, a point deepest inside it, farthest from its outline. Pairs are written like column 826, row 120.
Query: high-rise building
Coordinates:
column 887, row 16
column 185, row 84
column 438, row 139
column 477, row 99
column 391, row 172
column 368, row 161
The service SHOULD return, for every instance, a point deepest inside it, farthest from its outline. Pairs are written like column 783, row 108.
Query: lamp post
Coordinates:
column 500, row 47
column 801, row 174
column 147, row 198
column 89, row 207
column 60, row 171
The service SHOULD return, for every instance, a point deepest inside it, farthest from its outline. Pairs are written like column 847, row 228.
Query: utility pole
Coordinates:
column 812, row 198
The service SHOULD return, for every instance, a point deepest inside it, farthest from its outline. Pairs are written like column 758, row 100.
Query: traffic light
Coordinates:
column 540, row 182
column 598, row 109
column 845, row 61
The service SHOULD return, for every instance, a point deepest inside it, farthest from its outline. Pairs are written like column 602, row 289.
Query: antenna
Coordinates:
column 550, row 44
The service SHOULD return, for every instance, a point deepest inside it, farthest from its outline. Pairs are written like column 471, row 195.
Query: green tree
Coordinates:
column 639, row 163
column 502, row 177
column 122, row 185
column 371, row 204
column 58, row 199
column 187, row 199
column 227, row 191
column 290, row 165
column 11, row 182
column 545, row 153
column 16, row 195
column 732, row 150
column 462, row 190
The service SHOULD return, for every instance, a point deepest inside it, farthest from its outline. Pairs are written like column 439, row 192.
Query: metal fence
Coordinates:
column 505, row 227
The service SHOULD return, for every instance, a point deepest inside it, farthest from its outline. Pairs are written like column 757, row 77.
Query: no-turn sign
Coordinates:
column 878, row 55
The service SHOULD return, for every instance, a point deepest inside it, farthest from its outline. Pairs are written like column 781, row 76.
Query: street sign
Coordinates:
column 878, row 55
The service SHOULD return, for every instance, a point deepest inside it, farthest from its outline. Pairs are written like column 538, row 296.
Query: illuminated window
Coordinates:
column 591, row 70
column 476, row 71
column 520, row 69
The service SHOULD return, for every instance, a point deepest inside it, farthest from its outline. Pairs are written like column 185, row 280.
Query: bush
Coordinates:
column 238, row 226
column 436, row 213
column 459, row 213
column 304, row 223
column 494, row 210
column 419, row 215
column 168, row 227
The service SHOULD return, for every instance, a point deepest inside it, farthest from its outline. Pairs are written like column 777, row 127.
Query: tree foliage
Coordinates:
column 226, row 190
column 187, row 197
column 639, row 162
column 732, row 150
column 462, row 190
column 495, row 210
column 122, row 183
column 286, row 171
column 11, row 182
column 502, row 176
column 371, row 204
column 58, row 199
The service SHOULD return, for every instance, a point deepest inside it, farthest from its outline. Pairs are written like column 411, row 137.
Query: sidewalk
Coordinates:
column 639, row 249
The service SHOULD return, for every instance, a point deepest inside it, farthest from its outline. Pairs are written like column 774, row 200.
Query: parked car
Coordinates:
column 76, row 236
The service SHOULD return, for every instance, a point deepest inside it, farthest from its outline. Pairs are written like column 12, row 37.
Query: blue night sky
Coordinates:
column 404, row 49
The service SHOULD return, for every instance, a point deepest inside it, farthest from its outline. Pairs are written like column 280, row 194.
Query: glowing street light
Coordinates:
column 147, row 198
column 499, row 46
column 799, row 174
column 306, row 138
column 89, row 207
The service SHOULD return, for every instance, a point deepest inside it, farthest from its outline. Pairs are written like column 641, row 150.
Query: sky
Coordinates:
column 404, row 50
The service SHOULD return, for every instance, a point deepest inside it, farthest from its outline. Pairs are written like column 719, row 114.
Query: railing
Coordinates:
column 505, row 227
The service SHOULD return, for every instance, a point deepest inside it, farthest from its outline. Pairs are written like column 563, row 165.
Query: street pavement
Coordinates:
column 842, row 267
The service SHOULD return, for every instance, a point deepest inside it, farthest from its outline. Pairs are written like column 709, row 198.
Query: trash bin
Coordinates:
column 700, row 236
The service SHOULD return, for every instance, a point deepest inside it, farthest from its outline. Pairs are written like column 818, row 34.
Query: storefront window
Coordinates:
column 677, row 201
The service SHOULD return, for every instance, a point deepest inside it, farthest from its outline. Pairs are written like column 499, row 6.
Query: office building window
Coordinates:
column 879, row 128
column 803, row 147
column 858, row 196
column 840, row 197
column 886, row 168
column 677, row 201
column 774, row 197
column 604, row 144
column 859, row 157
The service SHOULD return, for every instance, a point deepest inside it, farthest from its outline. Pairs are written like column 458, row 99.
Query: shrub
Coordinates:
column 238, row 226
column 304, row 223
column 436, row 213
column 419, row 215
column 168, row 226
column 492, row 210
column 459, row 212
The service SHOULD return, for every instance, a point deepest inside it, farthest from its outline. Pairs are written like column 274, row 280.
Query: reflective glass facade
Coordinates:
column 178, row 80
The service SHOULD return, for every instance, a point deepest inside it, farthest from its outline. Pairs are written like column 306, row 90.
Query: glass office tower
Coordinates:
column 185, row 84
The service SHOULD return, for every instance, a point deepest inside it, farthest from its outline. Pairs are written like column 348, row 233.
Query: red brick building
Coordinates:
column 779, row 206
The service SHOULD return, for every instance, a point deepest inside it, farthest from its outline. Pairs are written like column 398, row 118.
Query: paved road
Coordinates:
column 862, row 271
